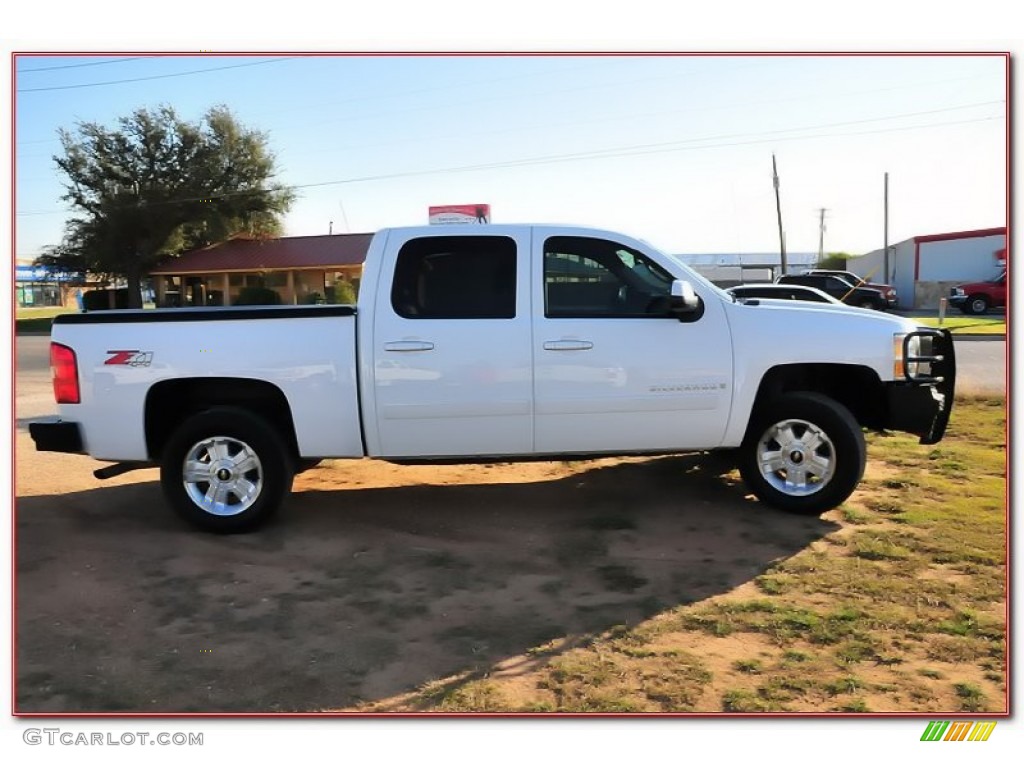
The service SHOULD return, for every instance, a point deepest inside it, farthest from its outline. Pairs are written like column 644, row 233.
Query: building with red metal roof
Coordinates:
column 299, row 269
column 925, row 267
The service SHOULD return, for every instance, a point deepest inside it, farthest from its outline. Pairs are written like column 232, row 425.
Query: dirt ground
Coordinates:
column 375, row 579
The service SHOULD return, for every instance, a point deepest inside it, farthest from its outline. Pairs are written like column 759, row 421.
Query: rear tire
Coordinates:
column 803, row 453
column 226, row 470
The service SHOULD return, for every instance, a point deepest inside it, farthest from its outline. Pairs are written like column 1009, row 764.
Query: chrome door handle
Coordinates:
column 408, row 346
column 568, row 345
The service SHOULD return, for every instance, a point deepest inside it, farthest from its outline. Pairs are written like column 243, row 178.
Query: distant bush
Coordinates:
column 256, row 295
column 342, row 292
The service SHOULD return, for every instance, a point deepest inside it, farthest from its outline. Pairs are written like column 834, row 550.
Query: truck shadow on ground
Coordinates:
column 358, row 595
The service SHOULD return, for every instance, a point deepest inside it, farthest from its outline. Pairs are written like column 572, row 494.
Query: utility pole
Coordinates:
column 778, row 210
column 885, row 235
column 821, row 234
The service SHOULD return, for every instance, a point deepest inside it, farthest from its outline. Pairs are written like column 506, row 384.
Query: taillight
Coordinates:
column 64, row 369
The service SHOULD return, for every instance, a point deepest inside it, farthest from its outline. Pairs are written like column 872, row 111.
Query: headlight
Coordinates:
column 958, row 291
column 914, row 350
column 900, row 366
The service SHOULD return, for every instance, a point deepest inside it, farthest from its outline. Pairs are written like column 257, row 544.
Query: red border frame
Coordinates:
column 525, row 54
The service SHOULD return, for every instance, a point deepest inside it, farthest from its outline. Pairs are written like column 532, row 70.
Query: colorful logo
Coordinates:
column 958, row 730
column 132, row 357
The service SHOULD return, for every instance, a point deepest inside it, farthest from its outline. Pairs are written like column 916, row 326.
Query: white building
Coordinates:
column 728, row 269
column 925, row 267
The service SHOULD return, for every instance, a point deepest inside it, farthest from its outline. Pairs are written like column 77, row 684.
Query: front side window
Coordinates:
column 459, row 278
column 591, row 277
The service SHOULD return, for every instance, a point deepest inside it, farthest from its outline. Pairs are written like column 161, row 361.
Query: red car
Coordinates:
column 978, row 298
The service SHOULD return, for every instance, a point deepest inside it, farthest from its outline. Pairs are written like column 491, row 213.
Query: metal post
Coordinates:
column 778, row 210
column 821, row 235
column 885, row 251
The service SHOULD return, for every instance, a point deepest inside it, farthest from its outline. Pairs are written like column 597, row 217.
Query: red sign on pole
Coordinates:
column 476, row 213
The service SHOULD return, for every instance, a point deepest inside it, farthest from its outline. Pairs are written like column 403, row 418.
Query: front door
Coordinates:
column 452, row 360
column 615, row 371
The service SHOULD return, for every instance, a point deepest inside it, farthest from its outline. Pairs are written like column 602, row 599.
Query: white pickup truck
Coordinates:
column 484, row 343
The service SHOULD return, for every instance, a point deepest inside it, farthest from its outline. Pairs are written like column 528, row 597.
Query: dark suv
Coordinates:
column 888, row 291
column 870, row 298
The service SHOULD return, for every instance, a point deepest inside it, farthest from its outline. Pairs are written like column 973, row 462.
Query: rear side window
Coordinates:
column 456, row 278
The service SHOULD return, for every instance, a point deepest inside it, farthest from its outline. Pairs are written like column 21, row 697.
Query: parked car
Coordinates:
column 504, row 342
column 837, row 287
column 979, row 298
column 888, row 291
column 781, row 291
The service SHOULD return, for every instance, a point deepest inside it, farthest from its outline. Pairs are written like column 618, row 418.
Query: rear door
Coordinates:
column 451, row 347
column 615, row 372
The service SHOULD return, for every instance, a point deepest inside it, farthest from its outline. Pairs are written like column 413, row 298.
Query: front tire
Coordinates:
column 977, row 304
column 803, row 453
column 226, row 470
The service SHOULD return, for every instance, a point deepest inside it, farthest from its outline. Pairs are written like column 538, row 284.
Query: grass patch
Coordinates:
column 971, row 697
column 906, row 580
column 964, row 325
column 37, row 319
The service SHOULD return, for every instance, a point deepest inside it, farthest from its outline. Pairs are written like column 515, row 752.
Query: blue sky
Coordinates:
column 674, row 149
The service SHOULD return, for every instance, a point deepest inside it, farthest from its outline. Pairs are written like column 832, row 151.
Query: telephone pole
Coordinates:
column 821, row 234
column 885, row 225
column 778, row 210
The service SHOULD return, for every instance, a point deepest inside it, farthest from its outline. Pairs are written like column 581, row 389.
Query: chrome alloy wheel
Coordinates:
column 796, row 457
column 222, row 475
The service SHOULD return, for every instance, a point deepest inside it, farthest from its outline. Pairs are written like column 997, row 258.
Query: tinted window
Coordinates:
column 837, row 284
column 456, row 278
column 591, row 277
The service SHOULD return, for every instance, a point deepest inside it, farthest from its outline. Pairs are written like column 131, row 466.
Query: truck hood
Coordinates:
column 809, row 314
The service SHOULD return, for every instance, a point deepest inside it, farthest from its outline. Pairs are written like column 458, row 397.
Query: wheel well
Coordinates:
column 855, row 386
column 169, row 403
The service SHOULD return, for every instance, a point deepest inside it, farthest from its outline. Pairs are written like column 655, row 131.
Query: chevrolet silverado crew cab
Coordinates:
column 483, row 343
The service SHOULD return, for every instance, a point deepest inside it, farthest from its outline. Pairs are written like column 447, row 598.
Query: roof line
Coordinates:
column 960, row 235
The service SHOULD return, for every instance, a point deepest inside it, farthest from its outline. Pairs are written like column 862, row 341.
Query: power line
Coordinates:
column 153, row 77
column 22, row 71
column 544, row 160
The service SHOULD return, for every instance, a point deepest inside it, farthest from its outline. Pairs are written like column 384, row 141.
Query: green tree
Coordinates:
column 834, row 260
column 156, row 185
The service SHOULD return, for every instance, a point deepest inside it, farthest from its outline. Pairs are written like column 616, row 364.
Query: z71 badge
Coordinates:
column 132, row 357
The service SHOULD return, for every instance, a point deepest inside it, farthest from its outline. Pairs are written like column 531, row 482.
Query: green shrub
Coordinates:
column 257, row 295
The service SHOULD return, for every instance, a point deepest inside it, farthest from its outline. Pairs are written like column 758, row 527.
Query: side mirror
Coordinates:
column 686, row 304
column 683, row 294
